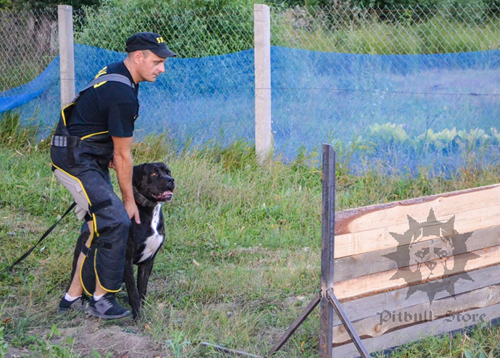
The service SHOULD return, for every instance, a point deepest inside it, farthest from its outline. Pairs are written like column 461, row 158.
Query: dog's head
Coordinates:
column 154, row 181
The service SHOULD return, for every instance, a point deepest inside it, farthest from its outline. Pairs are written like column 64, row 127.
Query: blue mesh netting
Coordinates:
column 210, row 98
column 396, row 112
column 391, row 111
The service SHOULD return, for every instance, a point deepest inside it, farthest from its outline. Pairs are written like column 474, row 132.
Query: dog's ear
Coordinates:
column 137, row 175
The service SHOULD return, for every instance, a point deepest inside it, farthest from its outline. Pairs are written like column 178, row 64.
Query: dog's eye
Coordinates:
column 154, row 174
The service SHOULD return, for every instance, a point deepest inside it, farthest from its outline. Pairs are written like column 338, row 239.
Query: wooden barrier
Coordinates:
column 419, row 267
column 398, row 272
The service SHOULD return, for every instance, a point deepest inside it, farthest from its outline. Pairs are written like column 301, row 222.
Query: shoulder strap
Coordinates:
column 110, row 77
column 114, row 77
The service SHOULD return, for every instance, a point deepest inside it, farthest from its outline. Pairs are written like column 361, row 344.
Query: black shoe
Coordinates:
column 107, row 308
column 76, row 305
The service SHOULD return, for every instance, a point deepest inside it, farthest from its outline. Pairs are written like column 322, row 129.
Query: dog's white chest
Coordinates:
column 154, row 241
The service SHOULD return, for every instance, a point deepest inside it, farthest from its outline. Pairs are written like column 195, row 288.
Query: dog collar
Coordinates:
column 141, row 199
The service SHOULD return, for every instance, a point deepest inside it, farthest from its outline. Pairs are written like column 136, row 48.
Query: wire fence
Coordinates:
column 29, row 38
column 206, row 93
column 384, row 31
column 192, row 33
column 436, row 82
column 396, row 88
column 28, row 43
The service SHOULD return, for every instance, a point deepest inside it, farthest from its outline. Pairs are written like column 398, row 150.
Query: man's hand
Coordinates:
column 123, row 164
column 132, row 210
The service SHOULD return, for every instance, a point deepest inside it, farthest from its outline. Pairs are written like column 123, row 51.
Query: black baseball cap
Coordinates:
column 148, row 41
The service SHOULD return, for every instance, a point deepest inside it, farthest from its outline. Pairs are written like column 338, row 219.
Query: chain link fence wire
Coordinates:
column 206, row 93
column 28, row 43
column 192, row 33
column 388, row 31
column 29, row 48
column 397, row 88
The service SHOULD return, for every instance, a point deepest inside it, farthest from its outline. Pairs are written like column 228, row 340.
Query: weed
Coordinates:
column 178, row 343
column 4, row 347
column 98, row 355
column 17, row 136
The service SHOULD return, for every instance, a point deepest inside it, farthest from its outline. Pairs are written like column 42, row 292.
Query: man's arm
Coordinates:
column 123, row 165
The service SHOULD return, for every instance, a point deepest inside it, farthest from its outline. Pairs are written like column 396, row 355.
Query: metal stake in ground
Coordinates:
column 327, row 245
column 328, row 300
column 227, row 350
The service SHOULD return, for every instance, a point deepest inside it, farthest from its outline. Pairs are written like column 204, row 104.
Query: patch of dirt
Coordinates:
column 16, row 353
column 108, row 339
column 112, row 340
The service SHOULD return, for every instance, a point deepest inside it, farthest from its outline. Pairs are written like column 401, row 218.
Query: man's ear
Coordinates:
column 137, row 56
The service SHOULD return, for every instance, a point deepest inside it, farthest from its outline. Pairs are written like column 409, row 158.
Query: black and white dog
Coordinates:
column 153, row 185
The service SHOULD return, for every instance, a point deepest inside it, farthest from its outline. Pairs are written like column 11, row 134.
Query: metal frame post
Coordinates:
column 327, row 254
column 347, row 324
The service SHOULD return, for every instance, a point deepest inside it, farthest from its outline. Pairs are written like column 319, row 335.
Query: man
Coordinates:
column 92, row 135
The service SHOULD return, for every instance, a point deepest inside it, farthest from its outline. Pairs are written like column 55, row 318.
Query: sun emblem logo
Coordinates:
column 429, row 256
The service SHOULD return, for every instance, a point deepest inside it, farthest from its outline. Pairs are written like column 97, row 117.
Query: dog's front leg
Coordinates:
column 143, row 273
column 128, row 277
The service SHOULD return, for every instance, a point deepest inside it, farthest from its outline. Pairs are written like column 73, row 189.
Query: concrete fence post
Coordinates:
column 66, row 53
column 262, row 44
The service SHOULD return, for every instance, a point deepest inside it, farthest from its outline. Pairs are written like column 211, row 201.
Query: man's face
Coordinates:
column 150, row 66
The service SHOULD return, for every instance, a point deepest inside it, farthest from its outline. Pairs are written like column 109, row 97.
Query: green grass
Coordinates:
column 240, row 262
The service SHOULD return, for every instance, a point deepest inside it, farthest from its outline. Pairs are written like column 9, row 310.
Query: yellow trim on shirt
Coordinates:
column 93, row 134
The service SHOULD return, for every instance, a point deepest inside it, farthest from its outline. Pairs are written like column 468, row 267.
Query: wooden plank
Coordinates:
column 401, row 298
column 388, row 281
column 356, row 243
column 414, row 333
column 384, row 321
column 395, row 213
column 350, row 267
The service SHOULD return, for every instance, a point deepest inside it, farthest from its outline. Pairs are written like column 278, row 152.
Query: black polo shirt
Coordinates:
column 107, row 107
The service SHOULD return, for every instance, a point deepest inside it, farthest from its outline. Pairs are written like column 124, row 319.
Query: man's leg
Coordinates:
column 110, row 223
column 73, row 297
column 76, row 287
